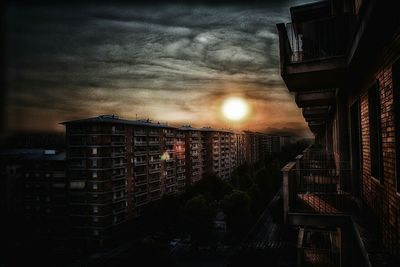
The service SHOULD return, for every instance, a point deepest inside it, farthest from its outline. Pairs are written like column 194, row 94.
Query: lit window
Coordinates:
column 94, row 174
column 95, row 186
column 94, row 150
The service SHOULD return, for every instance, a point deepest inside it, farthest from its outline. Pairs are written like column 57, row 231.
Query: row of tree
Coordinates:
column 242, row 199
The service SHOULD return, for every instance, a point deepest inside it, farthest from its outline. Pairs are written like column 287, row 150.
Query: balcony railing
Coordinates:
column 154, row 133
column 139, row 133
column 313, row 196
column 317, row 39
column 313, row 184
column 140, row 143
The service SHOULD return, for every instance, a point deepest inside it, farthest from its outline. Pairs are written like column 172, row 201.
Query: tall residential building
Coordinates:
column 252, row 143
column 341, row 59
column 115, row 167
column 221, row 151
column 194, row 156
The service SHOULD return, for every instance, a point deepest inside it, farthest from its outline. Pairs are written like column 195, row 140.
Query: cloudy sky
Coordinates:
column 168, row 62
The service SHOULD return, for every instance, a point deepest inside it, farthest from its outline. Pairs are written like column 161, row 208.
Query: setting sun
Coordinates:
column 235, row 108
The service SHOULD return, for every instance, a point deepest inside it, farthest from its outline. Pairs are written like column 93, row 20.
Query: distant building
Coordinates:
column 35, row 190
column 116, row 167
column 285, row 140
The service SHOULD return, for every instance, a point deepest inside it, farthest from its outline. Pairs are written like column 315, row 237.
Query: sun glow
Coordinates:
column 235, row 108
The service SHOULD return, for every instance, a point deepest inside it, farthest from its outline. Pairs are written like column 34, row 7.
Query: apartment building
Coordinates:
column 116, row 167
column 195, row 155
column 221, row 151
column 252, row 143
column 341, row 59
column 35, row 191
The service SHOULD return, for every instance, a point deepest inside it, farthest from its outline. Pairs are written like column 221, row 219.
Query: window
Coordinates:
column 94, row 174
column 77, row 184
column 95, row 186
column 94, row 151
column 375, row 132
column 94, row 162
column 396, row 112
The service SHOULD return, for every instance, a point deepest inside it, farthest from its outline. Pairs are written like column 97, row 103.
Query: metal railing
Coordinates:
column 313, row 184
column 317, row 39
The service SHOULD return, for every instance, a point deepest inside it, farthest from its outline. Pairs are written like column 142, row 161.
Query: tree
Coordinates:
column 198, row 219
column 237, row 208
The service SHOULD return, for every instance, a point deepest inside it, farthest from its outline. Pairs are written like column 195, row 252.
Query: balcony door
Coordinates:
column 355, row 136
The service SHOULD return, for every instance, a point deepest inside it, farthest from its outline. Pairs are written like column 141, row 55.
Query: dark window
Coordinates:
column 396, row 112
column 375, row 132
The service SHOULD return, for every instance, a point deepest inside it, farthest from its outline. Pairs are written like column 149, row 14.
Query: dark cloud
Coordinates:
column 82, row 59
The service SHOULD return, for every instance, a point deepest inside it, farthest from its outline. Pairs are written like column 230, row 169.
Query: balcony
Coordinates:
column 140, row 173
column 317, row 114
column 139, row 133
column 140, row 152
column 181, row 177
column 154, row 152
column 118, row 176
column 154, row 161
column 154, row 142
column 140, row 182
column 118, row 153
column 169, row 134
column 315, row 98
column 140, row 143
column 140, row 162
column 156, row 170
column 316, row 198
column 314, row 50
column 154, row 133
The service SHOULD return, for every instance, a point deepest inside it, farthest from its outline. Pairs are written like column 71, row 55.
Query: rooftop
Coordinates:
column 116, row 119
column 33, row 154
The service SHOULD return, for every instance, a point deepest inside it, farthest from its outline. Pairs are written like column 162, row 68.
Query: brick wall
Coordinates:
column 383, row 198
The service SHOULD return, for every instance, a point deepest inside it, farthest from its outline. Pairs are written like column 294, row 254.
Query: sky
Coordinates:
column 171, row 63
